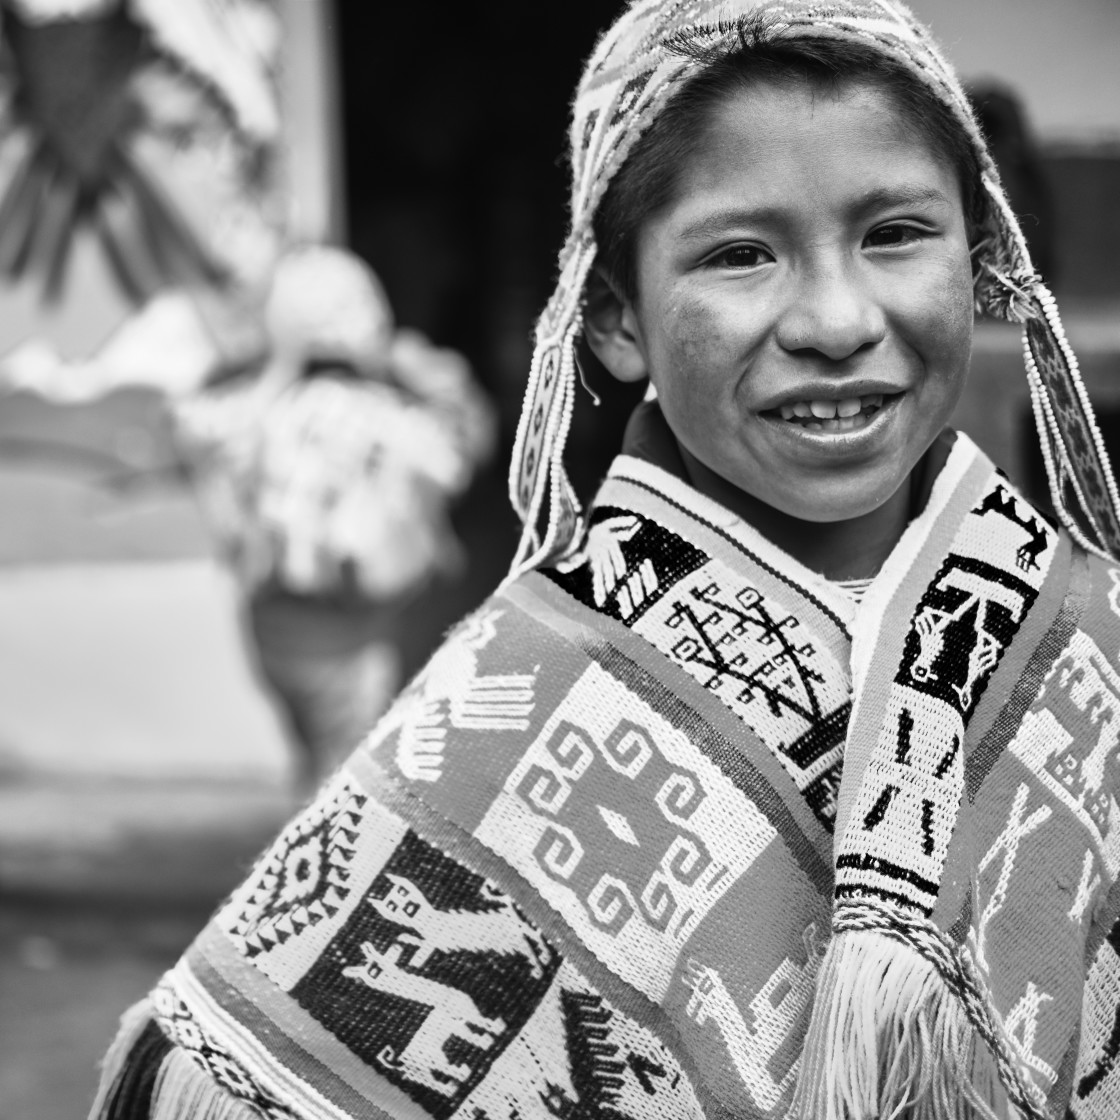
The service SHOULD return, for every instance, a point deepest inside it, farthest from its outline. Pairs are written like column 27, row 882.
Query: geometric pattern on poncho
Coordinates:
column 303, row 879
column 607, row 876
column 632, row 836
column 454, row 692
column 597, row 830
column 740, row 645
column 1082, row 682
column 965, row 619
column 184, row 1030
column 964, row 622
column 440, row 983
column 430, row 978
column 607, row 1067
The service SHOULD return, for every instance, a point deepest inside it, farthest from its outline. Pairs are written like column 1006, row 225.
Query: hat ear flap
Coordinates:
column 539, row 486
column 1082, row 486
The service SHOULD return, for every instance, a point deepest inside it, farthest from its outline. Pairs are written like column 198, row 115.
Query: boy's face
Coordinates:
column 804, row 307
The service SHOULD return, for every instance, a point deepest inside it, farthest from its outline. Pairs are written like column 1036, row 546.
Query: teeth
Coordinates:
column 835, row 424
column 845, row 409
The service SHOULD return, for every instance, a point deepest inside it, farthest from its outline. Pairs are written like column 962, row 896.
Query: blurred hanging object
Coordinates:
column 80, row 98
column 141, row 144
column 72, row 96
column 327, row 477
column 328, row 473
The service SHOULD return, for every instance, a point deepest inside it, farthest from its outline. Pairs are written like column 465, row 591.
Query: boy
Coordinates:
column 784, row 785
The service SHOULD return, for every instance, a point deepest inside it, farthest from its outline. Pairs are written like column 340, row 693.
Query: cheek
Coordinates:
column 696, row 344
column 957, row 321
column 942, row 318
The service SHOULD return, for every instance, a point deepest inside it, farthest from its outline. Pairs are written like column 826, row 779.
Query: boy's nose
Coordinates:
column 830, row 313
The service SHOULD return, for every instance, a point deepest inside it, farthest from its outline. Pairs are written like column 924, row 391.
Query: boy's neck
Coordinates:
column 853, row 549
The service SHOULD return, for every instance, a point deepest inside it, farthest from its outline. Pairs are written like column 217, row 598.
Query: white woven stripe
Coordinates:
column 1050, row 306
column 910, row 790
column 964, row 457
column 1057, row 471
column 274, row 1077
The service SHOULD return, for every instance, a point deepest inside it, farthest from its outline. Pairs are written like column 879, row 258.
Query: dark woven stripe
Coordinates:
column 820, row 738
column 861, row 861
column 131, row 1095
column 859, row 892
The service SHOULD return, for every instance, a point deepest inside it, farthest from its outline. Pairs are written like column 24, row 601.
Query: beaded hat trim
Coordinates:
column 631, row 74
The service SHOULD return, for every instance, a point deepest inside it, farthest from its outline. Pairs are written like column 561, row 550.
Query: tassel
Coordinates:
column 888, row 1040
column 184, row 1091
column 130, row 1067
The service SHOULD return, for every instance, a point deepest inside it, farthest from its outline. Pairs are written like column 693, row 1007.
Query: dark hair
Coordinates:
column 647, row 181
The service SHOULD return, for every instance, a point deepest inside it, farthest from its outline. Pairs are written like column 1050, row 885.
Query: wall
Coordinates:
column 1062, row 56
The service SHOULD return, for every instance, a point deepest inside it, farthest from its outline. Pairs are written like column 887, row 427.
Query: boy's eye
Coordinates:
column 893, row 234
column 740, row 256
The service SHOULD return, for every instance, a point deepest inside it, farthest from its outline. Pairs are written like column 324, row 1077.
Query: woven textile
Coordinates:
column 595, row 860
column 632, row 73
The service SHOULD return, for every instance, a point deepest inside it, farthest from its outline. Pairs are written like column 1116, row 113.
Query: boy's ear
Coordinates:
column 611, row 330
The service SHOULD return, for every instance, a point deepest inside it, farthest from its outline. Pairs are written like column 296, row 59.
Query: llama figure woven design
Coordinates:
column 600, row 857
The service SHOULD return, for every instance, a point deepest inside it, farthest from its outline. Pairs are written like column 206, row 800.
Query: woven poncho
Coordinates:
column 675, row 830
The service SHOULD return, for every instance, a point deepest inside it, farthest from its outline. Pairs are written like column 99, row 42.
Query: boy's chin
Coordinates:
column 839, row 502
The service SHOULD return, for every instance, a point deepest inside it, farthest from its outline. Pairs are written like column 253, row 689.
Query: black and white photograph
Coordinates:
column 559, row 562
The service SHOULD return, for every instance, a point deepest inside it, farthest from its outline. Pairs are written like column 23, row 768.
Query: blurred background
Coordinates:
column 168, row 606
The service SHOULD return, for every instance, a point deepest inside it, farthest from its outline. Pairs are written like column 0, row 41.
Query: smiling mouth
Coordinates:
column 845, row 415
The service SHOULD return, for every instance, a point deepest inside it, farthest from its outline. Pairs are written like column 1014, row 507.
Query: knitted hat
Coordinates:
column 630, row 76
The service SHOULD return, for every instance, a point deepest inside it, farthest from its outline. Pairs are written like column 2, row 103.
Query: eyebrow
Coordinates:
column 904, row 194
column 880, row 198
